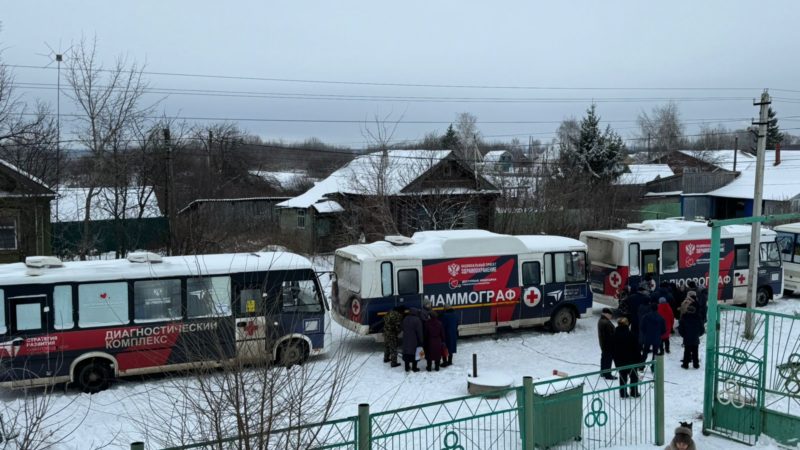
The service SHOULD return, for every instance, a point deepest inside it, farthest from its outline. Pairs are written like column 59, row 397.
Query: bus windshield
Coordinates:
column 769, row 254
column 790, row 250
column 348, row 274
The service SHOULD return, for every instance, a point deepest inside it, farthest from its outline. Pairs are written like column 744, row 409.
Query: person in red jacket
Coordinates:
column 434, row 340
column 665, row 311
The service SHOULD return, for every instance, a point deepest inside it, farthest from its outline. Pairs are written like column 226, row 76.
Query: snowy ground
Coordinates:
column 108, row 417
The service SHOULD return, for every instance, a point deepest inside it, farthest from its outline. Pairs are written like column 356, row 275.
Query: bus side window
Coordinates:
column 208, row 297
column 62, row 308
column 386, row 279
column 742, row 256
column 407, row 282
column 797, row 249
column 3, row 327
column 300, row 296
column 531, row 273
column 251, row 302
column 548, row 268
column 633, row 259
column 669, row 256
column 102, row 304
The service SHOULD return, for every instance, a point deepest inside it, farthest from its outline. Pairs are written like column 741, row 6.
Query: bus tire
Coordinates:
column 93, row 376
column 292, row 352
column 762, row 297
column 563, row 320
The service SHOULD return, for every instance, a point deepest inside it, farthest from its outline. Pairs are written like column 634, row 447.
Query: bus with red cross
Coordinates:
column 678, row 251
column 89, row 322
column 491, row 280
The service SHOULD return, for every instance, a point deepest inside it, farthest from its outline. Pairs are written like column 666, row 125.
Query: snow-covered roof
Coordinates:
column 361, row 175
column 200, row 201
column 461, row 243
column 72, row 203
column 192, row 265
column 328, row 207
column 671, row 229
column 722, row 159
column 23, row 173
column 644, row 173
column 789, row 227
column 664, row 194
column 495, row 156
column 781, row 182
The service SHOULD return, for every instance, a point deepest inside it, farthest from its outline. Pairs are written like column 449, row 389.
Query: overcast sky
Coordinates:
column 578, row 46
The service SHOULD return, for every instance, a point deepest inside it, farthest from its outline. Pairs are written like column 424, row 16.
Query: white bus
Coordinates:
column 491, row 280
column 674, row 250
column 88, row 322
column 789, row 243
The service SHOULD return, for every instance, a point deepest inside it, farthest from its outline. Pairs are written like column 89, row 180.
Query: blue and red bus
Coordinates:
column 89, row 322
column 491, row 280
column 678, row 251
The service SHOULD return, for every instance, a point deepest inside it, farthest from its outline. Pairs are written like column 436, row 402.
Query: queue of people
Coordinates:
column 420, row 334
column 646, row 324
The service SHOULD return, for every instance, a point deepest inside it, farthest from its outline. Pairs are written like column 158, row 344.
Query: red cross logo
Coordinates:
column 615, row 279
column 532, row 296
column 251, row 328
column 741, row 278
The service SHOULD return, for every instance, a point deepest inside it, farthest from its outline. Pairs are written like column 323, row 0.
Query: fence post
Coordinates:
column 527, row 413
column 364, row 427
column 659, row 403
column 137, row 445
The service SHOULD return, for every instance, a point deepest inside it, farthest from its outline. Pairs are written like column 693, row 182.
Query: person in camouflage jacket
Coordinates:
column 392, row 325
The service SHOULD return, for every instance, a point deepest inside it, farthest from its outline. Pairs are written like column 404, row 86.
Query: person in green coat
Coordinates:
column 392, row 324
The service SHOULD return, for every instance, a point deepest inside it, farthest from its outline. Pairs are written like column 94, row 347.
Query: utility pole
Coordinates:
column 168, row 192
column 649, row 153
column 735, row 151
column 208, row 163
column 755, row 234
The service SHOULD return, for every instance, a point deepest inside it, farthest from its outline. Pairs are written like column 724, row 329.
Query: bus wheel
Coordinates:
column 762, row 297
column 292, row 352
column 93, row 376
column 563, row 320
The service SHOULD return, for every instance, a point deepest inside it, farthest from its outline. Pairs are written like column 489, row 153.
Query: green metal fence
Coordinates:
column 587, row 411
column 756, row 384
column 584, row 411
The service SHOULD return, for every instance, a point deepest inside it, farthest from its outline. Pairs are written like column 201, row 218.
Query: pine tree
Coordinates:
column 594, row 153
column 450, row 139
column 774, row 135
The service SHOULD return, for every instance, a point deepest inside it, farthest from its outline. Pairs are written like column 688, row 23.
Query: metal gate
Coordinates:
column 756, row 381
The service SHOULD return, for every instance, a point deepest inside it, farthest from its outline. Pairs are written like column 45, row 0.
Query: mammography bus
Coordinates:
column 491, row 280
column 678, row 251
column 789, row 244
column 88, row 322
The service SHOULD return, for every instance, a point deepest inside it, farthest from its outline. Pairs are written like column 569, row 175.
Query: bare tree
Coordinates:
column 662, row 128
column 466, row 127
column 110, row 105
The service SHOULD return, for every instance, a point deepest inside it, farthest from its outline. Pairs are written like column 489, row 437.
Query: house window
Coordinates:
column 301, row 218
column 8, row 233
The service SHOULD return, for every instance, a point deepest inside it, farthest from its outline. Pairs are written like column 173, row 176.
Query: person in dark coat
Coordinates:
column 678, row 296
column 690, row 328
column 652, row 327
column 392, row 325
column 434, row 340
column 626, row 352
column 702, row 299
column 605, row 334
column 450, row 323
column 412, row 338
column 637, row 299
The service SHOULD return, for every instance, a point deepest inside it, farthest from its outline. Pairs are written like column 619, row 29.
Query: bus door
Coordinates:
column 650, row 264
column 30, row 325
column 302, row 308
column 531, row 304
column 251, row 323
column 408, row 283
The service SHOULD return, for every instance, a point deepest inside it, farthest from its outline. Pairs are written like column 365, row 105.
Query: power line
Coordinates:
column 424, row 85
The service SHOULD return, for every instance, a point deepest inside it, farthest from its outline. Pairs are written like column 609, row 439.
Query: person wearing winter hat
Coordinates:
column 683, row 438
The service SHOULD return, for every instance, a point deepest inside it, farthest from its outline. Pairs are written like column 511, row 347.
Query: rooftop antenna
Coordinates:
column 57, row 57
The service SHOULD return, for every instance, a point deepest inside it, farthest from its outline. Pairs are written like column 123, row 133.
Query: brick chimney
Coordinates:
column 778, row 154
